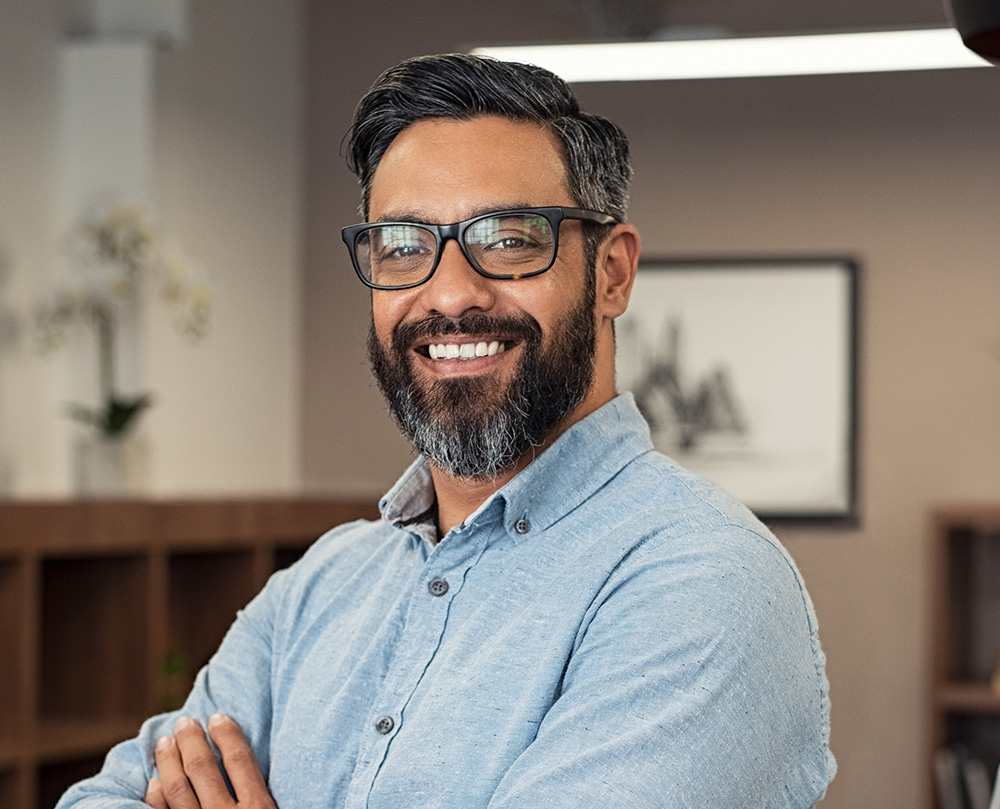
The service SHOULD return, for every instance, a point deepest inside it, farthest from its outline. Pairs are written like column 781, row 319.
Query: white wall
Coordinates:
column 229, row 167
column 29, row 86
column 227, row 157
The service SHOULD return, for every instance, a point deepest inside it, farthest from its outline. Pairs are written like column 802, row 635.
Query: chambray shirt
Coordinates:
column 607, row 630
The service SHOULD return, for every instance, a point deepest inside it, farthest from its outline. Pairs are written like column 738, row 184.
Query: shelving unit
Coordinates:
column 108, row 609
column 964, row 567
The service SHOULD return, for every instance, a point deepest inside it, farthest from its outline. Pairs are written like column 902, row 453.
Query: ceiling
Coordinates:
column 618, row 19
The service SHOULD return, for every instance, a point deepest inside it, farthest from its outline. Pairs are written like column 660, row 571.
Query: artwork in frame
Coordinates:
column 745, row 370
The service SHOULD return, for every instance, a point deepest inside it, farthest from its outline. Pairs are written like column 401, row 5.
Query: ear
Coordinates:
column 617, row 261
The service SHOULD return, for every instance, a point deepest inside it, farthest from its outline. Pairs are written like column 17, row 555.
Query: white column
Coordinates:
column 106, row 144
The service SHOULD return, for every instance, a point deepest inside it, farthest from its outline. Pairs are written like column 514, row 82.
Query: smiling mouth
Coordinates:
column 464, row 351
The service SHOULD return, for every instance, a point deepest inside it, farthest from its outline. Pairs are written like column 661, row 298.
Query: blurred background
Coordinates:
column 248, row 102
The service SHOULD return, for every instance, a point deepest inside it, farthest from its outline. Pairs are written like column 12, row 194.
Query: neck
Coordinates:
column 458, row 497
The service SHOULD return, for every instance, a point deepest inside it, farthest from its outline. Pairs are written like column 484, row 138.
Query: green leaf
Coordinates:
column 122, row 412
column 116, row 417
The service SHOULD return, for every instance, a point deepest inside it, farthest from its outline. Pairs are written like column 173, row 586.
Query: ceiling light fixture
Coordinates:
column 793, row 55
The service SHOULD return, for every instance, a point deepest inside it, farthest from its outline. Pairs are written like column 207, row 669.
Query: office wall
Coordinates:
column 227, row 163
column 898, row 172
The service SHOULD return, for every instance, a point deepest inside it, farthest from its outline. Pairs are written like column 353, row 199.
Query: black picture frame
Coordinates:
column 746, row 369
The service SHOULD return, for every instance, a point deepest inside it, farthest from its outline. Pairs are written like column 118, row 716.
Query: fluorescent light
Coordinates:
column 865, row 52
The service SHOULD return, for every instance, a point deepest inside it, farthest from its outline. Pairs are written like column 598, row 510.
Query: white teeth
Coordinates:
column 465, row 351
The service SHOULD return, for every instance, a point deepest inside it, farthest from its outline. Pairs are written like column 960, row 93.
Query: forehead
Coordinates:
column 442, row 170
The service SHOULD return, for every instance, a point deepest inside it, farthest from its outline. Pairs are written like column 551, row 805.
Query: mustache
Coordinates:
column 523, row 326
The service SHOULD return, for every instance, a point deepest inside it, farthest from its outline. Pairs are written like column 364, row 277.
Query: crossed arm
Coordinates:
column 190, row 778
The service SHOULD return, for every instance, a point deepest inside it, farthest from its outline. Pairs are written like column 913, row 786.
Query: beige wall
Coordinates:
column 899, row 172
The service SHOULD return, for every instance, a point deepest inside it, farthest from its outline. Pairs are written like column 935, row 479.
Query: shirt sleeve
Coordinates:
column 236, row 681
column 697, row 681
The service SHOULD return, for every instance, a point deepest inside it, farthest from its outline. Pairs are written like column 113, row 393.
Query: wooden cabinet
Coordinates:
column 108, row 609
column 965, row 636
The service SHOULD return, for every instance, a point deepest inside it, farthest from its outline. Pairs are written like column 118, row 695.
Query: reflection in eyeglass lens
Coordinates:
column 515, row 243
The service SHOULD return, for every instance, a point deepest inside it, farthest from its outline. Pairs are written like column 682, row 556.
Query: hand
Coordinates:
column 190, row 777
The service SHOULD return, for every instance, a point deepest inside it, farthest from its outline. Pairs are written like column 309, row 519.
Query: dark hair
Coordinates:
column 462, row 87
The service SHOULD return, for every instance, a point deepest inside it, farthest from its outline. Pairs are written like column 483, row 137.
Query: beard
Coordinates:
column 478, row 426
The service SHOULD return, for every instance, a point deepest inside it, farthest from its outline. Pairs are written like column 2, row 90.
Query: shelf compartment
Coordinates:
column 973, row 593
column 978, row 734
column 11, row 787
column 204, row 592
column 94, row 630
column 12, row 652
column 55, row 778
column 288, row 553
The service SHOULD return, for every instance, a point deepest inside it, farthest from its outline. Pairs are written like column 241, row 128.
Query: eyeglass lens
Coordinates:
column 507, row 245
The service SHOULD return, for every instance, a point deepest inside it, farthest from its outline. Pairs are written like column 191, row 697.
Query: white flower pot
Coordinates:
column 111, row 467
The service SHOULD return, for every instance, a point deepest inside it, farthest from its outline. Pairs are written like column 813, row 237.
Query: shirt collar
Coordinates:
column 578, row 463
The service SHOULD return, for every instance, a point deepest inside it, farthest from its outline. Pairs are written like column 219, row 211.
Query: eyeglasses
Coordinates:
column 504, row 244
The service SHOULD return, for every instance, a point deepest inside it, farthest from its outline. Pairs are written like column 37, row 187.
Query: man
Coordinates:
column 549, row 613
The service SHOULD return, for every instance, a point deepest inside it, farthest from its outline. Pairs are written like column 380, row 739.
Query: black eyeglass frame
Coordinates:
column 456, row 230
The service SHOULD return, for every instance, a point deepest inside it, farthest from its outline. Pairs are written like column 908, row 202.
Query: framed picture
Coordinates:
column 745, row 370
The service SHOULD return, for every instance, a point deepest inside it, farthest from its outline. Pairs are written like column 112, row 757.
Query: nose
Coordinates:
column 456, row 288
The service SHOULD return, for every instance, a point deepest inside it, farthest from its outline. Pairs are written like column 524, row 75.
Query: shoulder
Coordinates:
column 679, row 533
column 349, row 557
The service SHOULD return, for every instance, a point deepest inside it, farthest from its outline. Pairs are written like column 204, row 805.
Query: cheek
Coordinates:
column 388, row 310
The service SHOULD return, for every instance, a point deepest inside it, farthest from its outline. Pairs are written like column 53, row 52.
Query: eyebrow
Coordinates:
column 418, row 218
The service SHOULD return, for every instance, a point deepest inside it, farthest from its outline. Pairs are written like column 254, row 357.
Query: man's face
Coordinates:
column 477, row 417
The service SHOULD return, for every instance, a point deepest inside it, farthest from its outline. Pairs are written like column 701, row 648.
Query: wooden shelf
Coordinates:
column 964, row 566
column 11, row 753
column 64, row 739
column 100, row 600
column 972, row 698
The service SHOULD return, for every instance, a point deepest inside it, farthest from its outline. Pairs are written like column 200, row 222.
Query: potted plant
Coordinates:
column 118, row 256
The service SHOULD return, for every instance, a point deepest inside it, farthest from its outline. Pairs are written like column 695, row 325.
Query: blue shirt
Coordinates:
column 607, row 630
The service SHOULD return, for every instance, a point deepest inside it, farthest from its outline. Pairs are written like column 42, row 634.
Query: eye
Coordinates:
column 509, row 243
column 395, row 242
column 509, row 232
column 404, row 251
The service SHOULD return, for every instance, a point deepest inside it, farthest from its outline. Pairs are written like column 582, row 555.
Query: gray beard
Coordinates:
column 477, row 427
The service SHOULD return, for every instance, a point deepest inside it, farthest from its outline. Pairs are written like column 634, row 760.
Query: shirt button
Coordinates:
column 522, row 526
column 384, row 724
column 438, row 587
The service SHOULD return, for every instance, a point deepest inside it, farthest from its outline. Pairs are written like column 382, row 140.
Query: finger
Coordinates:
column 174, row 789
column 240, row 762
column 154, row 794
column 200, row 766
